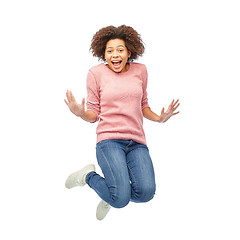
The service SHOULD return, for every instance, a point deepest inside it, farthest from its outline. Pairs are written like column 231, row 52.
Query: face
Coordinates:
column 116, row 55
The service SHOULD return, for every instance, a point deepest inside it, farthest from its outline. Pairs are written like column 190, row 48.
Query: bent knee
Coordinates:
column 146, row 193
column 120, row 199
column 120, row 202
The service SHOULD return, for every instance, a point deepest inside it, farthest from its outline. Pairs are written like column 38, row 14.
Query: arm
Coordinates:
column 149, row 114
column 79, row 109
column 89, row 116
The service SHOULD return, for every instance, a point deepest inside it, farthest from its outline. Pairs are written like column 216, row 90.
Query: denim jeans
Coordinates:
column 128, row 173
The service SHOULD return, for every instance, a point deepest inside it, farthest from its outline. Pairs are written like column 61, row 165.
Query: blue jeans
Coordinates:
column 128, row 173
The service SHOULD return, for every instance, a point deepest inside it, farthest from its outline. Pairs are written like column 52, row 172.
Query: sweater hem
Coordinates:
column 104, row 136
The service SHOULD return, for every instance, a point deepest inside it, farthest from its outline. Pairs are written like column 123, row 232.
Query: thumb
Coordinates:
column 83, row 101
column 162, row 111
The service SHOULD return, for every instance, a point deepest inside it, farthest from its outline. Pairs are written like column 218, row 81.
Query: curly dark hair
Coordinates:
column 132, row 40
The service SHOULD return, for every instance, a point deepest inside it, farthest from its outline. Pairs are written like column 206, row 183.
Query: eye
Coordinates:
column 121, row 50
column 109, row 51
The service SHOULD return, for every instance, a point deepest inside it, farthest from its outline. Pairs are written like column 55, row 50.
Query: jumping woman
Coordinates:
column 117, row 99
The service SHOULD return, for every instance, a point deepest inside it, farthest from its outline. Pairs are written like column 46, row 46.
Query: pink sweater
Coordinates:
column 118, row 100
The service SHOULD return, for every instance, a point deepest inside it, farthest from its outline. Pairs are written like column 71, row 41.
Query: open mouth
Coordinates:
column 116, row 63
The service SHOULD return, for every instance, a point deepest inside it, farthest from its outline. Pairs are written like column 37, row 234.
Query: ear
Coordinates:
column 129, row 54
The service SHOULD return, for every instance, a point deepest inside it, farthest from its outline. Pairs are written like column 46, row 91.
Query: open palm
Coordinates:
column 76, row 108
column 170, row 111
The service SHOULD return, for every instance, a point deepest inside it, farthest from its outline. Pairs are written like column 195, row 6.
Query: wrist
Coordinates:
column 159, row 119
column 89, row 116
column 82, row 114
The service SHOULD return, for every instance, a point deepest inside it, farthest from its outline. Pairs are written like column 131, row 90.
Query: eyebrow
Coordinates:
column 117, row 46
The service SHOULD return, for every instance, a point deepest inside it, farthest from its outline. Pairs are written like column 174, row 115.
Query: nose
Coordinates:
column 115, row 54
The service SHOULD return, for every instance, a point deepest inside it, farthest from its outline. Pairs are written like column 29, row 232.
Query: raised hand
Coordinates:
column 75, row 108
column 170, row 111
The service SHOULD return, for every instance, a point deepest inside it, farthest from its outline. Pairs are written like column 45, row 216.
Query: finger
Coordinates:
column 175, row 103
column 83, row 101
column 66, row 102
column 72, row 97
column 170, row 106
column 162, row 112
column 176, row 107
column 68, row 96
column 176, row 113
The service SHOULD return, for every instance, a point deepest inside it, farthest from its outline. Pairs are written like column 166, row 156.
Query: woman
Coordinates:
column 117, row 98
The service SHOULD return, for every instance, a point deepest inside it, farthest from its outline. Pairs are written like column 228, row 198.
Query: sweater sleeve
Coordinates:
column 93, row 98
column 145, row 95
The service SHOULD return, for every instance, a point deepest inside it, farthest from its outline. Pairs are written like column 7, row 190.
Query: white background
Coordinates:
column 192, row 53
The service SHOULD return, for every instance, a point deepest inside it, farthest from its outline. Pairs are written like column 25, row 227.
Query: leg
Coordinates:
column 115, row 187
column 141, row 173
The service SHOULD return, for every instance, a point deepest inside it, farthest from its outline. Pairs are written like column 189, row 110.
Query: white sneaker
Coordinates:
column 102, row 210
column 79, row 178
